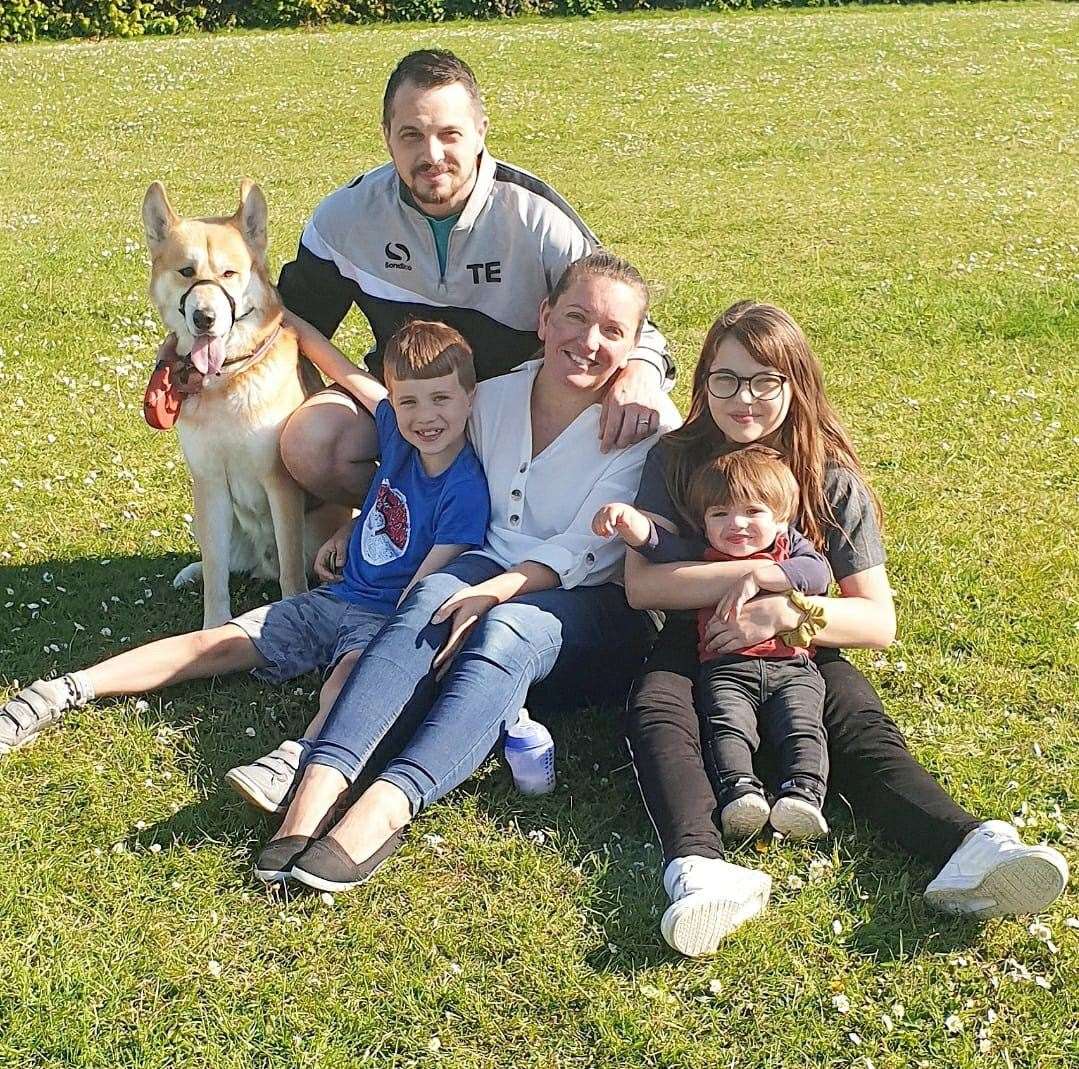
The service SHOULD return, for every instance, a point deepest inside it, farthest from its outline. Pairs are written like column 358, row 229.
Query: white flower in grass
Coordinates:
column 855, row 1038
column 715, row 987
column 953, row 1024
column 837, row 926
column 213, row 968
column 1040, row 931
column 898, row 1010
column 841, row 1003
column 795, row 883
column 326, row 898
column 434, row 1044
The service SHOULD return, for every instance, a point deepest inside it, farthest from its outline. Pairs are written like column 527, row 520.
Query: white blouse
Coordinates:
column 542, row 508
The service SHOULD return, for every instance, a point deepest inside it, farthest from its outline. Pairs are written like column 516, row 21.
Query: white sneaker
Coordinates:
column 268, row 783
column 709, row 899
column 995, row 874
column 744, row 817
column 796, row 818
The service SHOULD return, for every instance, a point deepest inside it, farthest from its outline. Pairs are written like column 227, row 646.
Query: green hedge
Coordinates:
column 28, row 20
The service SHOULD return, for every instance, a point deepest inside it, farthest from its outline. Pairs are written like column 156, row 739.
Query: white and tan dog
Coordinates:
column 210, row 285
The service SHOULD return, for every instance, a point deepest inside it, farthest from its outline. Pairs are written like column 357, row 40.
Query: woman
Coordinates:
column 758, row 382
column 537, row 603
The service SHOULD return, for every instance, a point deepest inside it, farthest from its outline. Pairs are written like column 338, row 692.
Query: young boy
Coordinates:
column 744, row 502
column 427, row 504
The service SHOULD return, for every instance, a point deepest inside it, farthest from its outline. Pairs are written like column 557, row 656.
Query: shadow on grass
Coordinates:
column 596, row 813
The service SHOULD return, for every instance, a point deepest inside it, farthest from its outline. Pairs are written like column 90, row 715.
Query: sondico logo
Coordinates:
column 398, row 257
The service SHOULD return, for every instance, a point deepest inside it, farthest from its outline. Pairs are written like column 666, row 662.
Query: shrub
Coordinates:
column 27, row 20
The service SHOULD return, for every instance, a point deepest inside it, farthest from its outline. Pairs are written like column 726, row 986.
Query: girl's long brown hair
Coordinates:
column 810, row 438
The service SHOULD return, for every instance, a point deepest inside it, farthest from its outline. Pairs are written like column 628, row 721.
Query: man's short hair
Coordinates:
column 430, row 68
column 755, row 473
column 420, row 349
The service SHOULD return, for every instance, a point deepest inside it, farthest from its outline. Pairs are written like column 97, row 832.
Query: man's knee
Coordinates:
column 329, row 448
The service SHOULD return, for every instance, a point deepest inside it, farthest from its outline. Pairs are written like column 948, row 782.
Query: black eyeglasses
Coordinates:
column 764, row 386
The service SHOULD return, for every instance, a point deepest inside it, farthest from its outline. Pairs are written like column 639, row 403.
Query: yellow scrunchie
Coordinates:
column 812, row 622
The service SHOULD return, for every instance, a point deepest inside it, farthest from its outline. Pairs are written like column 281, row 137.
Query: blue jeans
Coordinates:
column 585, row 644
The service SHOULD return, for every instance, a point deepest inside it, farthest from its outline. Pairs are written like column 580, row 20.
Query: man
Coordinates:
column 443, row 231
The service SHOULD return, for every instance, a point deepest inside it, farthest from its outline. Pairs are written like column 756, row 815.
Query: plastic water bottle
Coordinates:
column 530, row 755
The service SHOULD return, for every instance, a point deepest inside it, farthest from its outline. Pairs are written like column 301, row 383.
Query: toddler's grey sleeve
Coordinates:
column 805, row 569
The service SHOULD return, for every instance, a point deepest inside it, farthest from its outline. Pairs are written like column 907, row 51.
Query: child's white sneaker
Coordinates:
column 267, row 783
column 744, row 817
column 796, row 818
column 995, row 874
column 709, row 899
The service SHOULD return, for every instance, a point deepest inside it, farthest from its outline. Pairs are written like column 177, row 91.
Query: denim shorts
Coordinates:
column 307, row 632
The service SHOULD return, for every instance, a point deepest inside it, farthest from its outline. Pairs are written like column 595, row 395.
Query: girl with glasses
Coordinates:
column 758, row 383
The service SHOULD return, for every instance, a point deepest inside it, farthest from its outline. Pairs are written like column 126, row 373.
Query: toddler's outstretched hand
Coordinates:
column 619, row 518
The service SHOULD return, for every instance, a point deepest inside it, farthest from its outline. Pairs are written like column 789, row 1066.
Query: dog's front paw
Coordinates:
column 189, row 576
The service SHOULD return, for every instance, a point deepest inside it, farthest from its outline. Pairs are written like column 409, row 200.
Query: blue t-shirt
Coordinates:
column 407, row 513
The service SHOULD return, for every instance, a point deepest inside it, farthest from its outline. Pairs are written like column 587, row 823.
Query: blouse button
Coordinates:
column 515, row 494
column 590, row 557
column 522, row 469
column 515, row 519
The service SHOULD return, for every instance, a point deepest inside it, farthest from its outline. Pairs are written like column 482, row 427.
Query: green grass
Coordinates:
column 904, row 182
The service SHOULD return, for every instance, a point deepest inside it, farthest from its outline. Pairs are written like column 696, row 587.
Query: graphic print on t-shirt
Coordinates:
column 386, row 528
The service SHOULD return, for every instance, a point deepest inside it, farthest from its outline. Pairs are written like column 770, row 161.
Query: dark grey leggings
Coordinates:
column 870, row 763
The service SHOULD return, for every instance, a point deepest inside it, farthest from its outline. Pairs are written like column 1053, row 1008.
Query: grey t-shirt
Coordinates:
column 851, row 545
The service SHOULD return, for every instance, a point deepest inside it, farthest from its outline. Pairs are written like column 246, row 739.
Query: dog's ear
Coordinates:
column 157, row 215
column 251, row 216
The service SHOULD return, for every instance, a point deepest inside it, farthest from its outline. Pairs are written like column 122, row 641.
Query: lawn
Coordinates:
column 903, row 181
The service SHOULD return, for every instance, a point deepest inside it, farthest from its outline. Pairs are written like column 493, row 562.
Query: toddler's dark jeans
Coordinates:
column 742, row 699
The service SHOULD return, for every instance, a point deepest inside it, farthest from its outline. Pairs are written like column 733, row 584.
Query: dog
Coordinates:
column 209, row 283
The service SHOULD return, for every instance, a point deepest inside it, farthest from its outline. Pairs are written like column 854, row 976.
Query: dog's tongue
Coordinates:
column 207, row 354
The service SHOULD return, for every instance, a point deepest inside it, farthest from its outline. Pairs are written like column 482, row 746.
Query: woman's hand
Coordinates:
column 619, row 518
column 333, row 553
column 464, row 610
column 630, row 406
column 757, row 621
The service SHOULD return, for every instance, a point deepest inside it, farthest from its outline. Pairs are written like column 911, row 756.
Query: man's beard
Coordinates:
column 424, row 193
